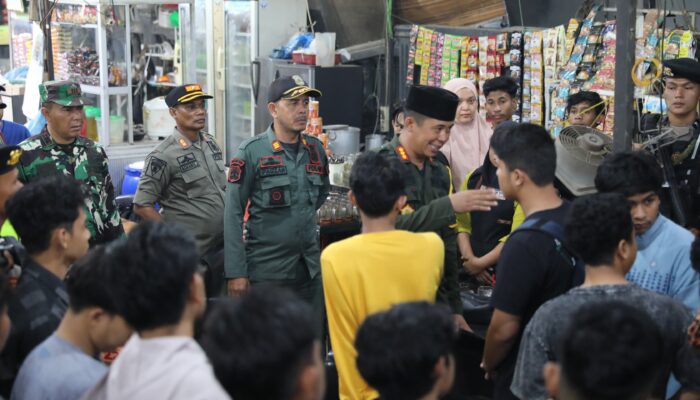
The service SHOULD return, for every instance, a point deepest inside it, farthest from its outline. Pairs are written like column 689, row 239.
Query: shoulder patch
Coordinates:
column 235, row 171
column 155, row 168
column 403, row 155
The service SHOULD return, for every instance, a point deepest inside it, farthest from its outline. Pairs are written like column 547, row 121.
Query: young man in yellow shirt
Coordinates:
column 380, row 267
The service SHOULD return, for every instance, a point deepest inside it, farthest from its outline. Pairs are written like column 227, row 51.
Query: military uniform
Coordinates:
column 430, row 187
column 85, row 161
column 683, row 155
column 284, row 193
column 188, row 180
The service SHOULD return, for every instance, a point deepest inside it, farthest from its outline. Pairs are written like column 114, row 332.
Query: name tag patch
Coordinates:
column 188, row 162
column 272, row 171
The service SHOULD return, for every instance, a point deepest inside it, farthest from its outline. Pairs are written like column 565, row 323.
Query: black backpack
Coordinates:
column 556, row 232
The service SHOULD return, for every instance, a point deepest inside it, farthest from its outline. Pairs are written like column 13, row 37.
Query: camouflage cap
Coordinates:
column 9, row 157
column 65, row 93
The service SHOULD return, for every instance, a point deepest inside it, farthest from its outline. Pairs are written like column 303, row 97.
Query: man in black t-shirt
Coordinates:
column 531, row 270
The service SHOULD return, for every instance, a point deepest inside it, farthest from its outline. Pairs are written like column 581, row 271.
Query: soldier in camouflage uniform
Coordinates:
column 59, row 149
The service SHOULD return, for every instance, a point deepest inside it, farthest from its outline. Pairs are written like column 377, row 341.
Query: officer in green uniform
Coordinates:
column 679, row 147
column 185, row 174
column 284, row 176
column 430, row 113
column 59, row 149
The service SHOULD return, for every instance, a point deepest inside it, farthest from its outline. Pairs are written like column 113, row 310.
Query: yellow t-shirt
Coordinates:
column 369, row 273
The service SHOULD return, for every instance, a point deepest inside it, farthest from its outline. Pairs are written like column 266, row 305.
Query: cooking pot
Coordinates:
column 343, row 139
column 373, row 141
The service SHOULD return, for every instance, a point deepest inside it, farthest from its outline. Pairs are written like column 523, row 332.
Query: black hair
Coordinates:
column 376, row 182
column 259, row 343
column 501, row 83
column 585, row 96
column 630, row 173
column 88, row 282
column 418, row 117
column 610, row 351
column 527, row 147
column 397, row 350
column 397, row 109
column 156, row 265
column 41, row 207
column 596, row 224
column 695, row 254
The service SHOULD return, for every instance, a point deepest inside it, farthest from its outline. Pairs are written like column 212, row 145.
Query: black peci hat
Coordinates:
column 433, row 102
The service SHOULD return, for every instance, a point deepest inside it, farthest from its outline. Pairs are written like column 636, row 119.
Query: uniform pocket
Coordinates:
column 197, row 183
column 276, row 191
column 315, row 185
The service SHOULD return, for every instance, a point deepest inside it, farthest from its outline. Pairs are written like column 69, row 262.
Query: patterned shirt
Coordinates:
column 85, row 161
column 36, row 309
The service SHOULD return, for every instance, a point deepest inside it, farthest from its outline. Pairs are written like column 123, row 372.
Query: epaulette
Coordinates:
column 252, row 140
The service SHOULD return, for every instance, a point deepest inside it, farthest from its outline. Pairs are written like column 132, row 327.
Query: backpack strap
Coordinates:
column 556, row 231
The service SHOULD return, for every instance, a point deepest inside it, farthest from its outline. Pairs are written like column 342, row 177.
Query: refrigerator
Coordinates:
column 341, row 87
column 233, row 34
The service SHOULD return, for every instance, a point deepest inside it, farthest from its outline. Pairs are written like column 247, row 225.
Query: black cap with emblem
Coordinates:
column 185, row 94
column 685, row 68
column 433, row 102
column 9, row 157
column 290, row 87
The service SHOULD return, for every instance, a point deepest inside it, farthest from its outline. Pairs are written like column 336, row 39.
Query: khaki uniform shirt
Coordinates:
column 188, row 180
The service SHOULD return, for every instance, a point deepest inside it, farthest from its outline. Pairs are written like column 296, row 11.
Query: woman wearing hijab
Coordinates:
column 469, row 138
column 481, row 235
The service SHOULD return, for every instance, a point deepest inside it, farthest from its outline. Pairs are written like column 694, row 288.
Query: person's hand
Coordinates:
column 238, row 286
column 484, row 278
column 474, row 200
column 473, row 265
column 461, row 323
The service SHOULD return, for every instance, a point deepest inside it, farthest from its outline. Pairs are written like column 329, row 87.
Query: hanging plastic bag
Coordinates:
column 32, row 99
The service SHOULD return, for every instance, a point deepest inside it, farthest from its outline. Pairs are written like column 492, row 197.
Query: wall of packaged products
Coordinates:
column 551, row 64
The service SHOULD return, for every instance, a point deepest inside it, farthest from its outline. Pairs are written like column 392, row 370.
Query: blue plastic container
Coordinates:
column 131, row 177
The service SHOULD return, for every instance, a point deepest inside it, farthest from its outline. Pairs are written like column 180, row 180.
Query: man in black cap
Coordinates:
column 60, row 150
column 185, row 174
column 429, row 115
column 284, row 176
column 679, row 150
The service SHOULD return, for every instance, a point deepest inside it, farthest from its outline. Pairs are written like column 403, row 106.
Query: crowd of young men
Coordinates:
column 593, row 299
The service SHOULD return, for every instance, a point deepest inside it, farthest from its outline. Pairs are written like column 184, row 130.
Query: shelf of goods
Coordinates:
column 549, row 64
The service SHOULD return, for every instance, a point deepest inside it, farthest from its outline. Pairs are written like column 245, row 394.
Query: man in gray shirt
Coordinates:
column 66, row 364
column 599, row 229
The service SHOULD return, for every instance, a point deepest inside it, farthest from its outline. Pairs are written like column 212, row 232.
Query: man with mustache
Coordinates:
column 60, row 150
column 185, row 173
column 281, row 178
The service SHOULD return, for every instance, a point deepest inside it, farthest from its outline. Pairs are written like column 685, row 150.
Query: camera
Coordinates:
column 15, row 249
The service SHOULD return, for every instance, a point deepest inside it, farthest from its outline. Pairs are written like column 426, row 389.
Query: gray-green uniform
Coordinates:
column 429, row 208
column 188, row 181
column 284, row 191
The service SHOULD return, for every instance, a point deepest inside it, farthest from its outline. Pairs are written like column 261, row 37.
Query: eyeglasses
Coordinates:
column 3, row 106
